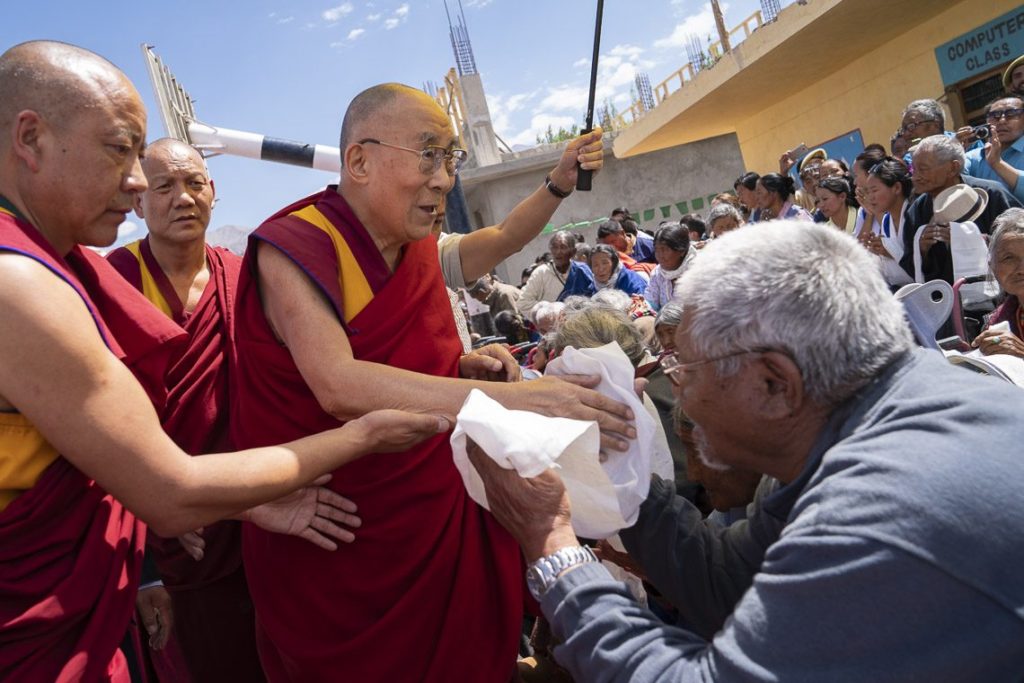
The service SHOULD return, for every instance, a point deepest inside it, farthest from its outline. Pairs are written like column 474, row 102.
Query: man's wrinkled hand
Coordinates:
column 536, row 512
column 394, row 431
column 193, row 543
column 157, row 615
column 491, row 363
column 587, row 151
column 314, row 513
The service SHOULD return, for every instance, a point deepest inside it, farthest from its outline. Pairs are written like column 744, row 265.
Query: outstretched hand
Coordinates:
column 491, row 363
column 394, row 431
column 586, row 151
column 314, row 513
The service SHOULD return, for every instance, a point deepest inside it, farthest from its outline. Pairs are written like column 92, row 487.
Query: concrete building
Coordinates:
column 835, row 73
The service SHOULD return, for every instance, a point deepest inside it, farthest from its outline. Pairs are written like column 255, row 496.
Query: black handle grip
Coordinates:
column 584, row 177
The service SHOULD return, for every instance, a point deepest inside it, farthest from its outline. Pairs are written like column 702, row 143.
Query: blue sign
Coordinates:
column 996, row 43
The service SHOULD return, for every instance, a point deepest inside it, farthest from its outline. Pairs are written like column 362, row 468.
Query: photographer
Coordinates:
column 1002, row 157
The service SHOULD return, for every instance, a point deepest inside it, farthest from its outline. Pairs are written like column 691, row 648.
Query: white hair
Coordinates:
column 929, row 109
column 945, row 149
column 546, row 310
column 1009, row 223
column 612, row 298
column 723, row 210
column 809, row 291
column 596, row 326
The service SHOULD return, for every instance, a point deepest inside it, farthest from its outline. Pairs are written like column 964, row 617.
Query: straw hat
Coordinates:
column 1008, row 74
column 959, row 204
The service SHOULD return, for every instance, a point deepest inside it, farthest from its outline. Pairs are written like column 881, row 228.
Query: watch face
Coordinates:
column 535, row 582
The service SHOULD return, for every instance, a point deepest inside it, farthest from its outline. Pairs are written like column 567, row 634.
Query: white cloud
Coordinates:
column 337, row 43
column 272, row 15
column 390, row 24
column 402, row 10
column 582, row 61
column 336, row 13
column 399, row 15
column 355, row 33
column 502, row 106
column 478, row 3
column 701, row 25
column 565, row 97
column 539, row 126
column 373, row 17
column 286, row 20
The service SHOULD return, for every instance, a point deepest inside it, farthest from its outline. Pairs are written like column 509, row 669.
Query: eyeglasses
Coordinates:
column 999, row 114
column 431, row 157
column 672, row 366
column 911, row 127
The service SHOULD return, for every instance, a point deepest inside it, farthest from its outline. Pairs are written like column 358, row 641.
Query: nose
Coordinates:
column 441, row 179
column 184, row 198
column 135, row 180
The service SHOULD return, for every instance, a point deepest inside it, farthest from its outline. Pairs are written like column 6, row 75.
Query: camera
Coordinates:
column 982, row 132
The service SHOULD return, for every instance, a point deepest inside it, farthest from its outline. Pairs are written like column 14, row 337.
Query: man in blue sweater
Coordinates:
column 899, row 557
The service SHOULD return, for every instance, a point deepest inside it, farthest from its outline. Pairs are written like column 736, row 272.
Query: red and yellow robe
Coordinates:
column 431, row 589
column 70, row 553
column 214, row 622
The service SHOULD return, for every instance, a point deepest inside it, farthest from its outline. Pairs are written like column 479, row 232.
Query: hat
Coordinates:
column 959, row 204
column 818, row 153
column 1008, row 74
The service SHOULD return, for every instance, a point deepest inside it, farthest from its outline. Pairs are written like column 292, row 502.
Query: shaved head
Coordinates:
column 373, row 106
column 55, row 79
column 170, row 149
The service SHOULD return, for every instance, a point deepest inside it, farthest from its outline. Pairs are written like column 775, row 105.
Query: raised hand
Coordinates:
column 587, row 150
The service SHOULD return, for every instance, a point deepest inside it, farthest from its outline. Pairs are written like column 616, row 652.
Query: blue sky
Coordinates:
column 288, row 69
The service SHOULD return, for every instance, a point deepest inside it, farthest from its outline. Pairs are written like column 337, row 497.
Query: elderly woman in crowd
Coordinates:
column 1006, row 259
column 836, row 203
column 887, row 188
column 666, row 323
column 775, row 199
column 672, row 252
column 723, row 218
column 609, row 273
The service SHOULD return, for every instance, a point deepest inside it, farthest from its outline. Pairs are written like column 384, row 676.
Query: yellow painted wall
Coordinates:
column 869, row 93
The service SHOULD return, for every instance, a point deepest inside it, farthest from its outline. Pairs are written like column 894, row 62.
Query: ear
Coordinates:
column 29, row 135
column 356, row 164
column 780, row 386
column 213, row 189
column 138, row 205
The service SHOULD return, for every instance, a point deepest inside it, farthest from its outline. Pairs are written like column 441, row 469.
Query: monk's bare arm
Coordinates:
column 56, row 370
column 481, row 250
column 347, row 388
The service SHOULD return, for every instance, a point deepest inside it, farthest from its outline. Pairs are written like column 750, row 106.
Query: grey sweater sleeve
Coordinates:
column 826, row 608
column 702, row 569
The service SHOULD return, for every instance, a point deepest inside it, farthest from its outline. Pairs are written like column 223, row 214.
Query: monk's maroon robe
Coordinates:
column 213, row 616
column 431, row 588
column 70, row 553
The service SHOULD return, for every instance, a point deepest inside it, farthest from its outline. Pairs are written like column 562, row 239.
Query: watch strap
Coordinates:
column 554, row 189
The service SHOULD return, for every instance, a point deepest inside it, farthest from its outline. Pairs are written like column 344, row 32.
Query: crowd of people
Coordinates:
column 844, row 505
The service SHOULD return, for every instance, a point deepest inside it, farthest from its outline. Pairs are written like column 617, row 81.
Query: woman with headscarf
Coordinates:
column 609, row 273
column 672, row 252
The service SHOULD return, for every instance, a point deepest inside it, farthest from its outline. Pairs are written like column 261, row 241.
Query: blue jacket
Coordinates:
column 578, row 281
column 900, row 558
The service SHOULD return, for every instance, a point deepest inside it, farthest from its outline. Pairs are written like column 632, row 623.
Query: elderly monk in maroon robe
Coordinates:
column 341, row 310
column 81, row 448
column 194, row 284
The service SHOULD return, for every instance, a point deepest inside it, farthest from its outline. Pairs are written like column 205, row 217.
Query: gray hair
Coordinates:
column 597, row 326
column 930, row 109
column 614, row 299
column 809, row 291
column 945, row 149
column 544, row 310
column 1010, row 223
column 723, row 210
column 670, row 314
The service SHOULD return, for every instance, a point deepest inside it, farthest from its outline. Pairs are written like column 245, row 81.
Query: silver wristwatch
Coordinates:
column 542, row 574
